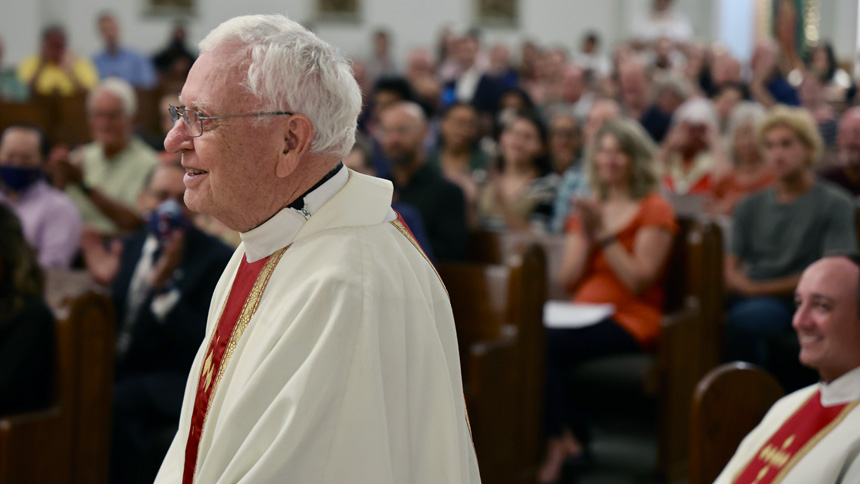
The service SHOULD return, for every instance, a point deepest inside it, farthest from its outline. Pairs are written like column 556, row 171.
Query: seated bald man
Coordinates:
column 813, row 434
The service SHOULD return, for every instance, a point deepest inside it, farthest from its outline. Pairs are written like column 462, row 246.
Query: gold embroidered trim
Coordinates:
column 248, row 310
column 749, row 462
column 814, row 440
column 405, row 231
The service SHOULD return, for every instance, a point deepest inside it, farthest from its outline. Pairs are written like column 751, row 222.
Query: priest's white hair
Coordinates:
column 289, row 68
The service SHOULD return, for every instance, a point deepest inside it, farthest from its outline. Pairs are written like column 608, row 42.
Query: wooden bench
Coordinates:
column 68, row 442
column 686, row 348
column 498, row 309
column 728, row 403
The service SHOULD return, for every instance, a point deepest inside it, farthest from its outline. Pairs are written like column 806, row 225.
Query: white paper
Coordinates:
column 563, row 314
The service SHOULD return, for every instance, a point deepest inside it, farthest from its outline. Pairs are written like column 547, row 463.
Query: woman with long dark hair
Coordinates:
column 521, row 189
column 26, row 323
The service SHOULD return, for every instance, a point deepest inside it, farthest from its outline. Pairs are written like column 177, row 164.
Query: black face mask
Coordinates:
column 17, row 179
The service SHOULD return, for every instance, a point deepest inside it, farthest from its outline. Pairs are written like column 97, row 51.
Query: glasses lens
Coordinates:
column 192, row 120
column 174, row 114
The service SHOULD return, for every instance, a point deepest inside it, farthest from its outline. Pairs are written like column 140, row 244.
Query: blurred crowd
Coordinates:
column 607, row 144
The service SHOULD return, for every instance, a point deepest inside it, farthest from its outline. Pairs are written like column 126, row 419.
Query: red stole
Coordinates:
column 248, row 286
column 809, row 424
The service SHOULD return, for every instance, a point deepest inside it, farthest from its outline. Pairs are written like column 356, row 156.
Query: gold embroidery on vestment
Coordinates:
column 248, row 310
column 405, row 231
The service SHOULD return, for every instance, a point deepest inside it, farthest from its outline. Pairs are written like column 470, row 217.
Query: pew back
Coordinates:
column 68, row 442
column 728, row 403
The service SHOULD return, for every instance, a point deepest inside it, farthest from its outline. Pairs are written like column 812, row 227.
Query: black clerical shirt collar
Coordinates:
column 280, row 230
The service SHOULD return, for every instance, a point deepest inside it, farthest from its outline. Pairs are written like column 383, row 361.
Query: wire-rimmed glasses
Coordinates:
column 194, row 121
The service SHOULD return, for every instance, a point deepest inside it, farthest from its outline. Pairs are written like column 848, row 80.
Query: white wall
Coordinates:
column 412, row 22
column 19, row 26
column 736, row 27
column 844, row 33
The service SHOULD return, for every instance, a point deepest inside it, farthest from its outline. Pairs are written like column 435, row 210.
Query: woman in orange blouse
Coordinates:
column 616, row 249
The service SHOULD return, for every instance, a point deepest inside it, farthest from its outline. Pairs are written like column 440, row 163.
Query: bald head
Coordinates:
column 22, row 146
column 419, row 63
column 403, row 127
column 848, row 138
column 602, row 110
column 827, row 319
column 633, row 78
column 572, row 83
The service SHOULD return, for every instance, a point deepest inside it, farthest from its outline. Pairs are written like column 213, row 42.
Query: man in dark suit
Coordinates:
column 417, row 183
column 161, row 280
column 473, row 85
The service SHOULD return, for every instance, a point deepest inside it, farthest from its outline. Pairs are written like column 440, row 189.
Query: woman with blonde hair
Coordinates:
column 617, row 246
column 776, row 233
column 749, row 173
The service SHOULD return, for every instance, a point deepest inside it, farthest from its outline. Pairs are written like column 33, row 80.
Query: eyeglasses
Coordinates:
column 194, row 121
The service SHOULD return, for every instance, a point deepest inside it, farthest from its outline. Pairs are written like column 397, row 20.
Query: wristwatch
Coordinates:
column 608, row 240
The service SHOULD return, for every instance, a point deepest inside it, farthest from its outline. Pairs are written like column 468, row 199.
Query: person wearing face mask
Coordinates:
column 51, row 222
column 161, row 280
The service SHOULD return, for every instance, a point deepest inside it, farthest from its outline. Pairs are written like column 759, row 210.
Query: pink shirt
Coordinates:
column 51, row 223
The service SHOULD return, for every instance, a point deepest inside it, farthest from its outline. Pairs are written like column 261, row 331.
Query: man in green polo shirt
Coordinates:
column 105, row 177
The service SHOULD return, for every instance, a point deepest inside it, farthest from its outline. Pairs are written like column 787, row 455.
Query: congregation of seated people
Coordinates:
column 606, row 151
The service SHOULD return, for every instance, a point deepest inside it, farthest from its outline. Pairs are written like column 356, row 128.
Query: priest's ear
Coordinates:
column 298, row 132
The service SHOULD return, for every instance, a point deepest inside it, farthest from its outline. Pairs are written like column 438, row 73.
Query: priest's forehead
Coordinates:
column 836, row 276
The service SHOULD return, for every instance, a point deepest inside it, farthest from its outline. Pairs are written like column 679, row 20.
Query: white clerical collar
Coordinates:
column 280, row 230
column 844, row 389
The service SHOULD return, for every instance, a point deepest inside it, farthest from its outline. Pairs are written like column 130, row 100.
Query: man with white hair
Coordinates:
column 692, row 150
column 330, row 353
column 105, row 177
column 811, row 435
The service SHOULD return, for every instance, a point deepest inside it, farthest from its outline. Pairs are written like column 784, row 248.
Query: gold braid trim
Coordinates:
column 248, row 310
column 405, row 231
column 814, row 440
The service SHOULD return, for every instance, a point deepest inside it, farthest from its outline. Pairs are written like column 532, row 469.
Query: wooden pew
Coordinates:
column 63, row 119
column 17, row 113
column 728, row 403
column 68, row 442
column 148, row 116
column 686, row 347
column 498, row 310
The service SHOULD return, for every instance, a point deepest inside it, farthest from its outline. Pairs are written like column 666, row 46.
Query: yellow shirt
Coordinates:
column 54, row 80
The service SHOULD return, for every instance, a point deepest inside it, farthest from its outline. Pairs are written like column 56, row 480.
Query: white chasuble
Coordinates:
column 347, row 372
column 780, row 450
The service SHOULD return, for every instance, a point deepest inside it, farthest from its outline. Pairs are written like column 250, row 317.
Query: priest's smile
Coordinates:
column 193, row 177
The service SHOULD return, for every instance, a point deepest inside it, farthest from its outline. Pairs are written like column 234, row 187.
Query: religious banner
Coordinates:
column 501, row 13
column 339, row 10
column 171, row 7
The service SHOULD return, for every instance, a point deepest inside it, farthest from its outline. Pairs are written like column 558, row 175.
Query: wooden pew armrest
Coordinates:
column 677, row 374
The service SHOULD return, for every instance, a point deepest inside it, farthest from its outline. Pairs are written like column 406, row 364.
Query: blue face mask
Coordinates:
column 166, row 218
column 17, row 179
